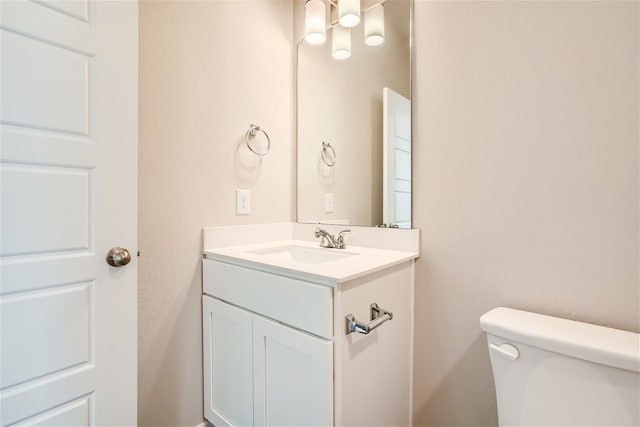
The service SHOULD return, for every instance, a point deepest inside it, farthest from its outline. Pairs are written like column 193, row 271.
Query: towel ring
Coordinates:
column 251, row 133
column 331, row 154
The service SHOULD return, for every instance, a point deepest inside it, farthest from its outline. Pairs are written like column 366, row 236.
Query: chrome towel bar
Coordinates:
column 378, row 317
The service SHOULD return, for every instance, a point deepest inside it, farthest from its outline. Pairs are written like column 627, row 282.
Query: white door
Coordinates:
column 68, row 165
column 228, row 364
column 396, row 181
column 293, row 376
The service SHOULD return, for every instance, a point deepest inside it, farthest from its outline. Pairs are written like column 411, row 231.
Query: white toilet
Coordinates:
column 557, row 372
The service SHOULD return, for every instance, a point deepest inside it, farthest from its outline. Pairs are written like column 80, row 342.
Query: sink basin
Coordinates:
column 303, row 254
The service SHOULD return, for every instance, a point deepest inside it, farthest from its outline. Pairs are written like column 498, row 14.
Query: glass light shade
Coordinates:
column 341, row 43
column 374, row 25
column 315, row 29
column 349, row 13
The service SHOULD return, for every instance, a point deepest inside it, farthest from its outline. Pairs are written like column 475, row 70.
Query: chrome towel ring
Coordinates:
column 328, row 154
column 251, row 133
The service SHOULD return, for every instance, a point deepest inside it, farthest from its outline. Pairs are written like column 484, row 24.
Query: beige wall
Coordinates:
column 526, row 138
column 207, row 70
column 341, row 102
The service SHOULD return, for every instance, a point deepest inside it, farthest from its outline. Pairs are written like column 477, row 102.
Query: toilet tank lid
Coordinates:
column 599, row 344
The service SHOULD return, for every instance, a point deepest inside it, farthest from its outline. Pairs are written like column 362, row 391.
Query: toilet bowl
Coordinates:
column 557, row 372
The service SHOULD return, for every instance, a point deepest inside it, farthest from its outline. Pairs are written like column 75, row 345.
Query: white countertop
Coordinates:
column 363, row 261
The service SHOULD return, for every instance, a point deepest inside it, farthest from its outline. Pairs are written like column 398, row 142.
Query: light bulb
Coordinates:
column 374, row 25
column 349, row 13
column 315, row 29
column 341, row 42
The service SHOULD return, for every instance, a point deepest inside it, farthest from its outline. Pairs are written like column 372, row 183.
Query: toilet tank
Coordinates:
column 557, row 372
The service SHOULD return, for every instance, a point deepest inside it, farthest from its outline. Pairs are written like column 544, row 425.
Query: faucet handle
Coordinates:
column 343, row 232
column 340, row 240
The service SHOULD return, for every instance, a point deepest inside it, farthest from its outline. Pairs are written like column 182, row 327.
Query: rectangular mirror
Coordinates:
column 354, row 124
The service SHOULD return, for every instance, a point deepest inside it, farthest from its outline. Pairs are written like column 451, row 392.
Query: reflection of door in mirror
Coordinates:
column 340, row 102
column 396, row 163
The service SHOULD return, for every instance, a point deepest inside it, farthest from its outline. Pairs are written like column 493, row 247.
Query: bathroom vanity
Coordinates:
column 295, row 334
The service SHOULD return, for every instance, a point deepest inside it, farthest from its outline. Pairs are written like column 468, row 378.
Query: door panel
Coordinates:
column 78, row 9
column 74, row 413
column 293, row 376
column 37, row 323
column 39, row 99
column 58, row 219
column 68, row 164
column 228, row 383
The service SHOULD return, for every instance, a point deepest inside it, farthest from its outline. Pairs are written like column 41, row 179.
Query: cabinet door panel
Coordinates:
column 228, row 380
column 293, row 376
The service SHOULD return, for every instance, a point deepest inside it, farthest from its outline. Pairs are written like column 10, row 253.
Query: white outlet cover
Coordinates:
column 243, row 202
column 328, row 202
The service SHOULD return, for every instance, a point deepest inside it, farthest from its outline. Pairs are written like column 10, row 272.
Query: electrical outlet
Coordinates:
column 243, row 202
column 328, row 202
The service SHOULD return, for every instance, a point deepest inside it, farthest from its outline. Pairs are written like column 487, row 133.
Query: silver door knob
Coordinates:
column 118, row 257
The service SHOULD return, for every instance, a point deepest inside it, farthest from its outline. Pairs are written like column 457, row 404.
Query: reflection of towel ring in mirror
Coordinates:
column 251, row 133
column 328, row 154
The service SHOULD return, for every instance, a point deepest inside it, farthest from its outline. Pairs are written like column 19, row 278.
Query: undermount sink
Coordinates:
column 303, row 254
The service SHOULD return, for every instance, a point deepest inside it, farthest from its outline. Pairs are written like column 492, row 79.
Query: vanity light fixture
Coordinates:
column 374, row 25
column 348, row 17
column 315, row 28
column 349, row 13
column 341, row 42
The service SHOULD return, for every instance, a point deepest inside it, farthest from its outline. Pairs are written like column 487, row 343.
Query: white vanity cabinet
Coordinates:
column 228, row 363
column 276, row 351
column 260, row 372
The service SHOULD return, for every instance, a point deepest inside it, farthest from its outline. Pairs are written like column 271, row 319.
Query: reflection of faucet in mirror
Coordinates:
column 327, row 240
column 390, row 225
column 344, row 102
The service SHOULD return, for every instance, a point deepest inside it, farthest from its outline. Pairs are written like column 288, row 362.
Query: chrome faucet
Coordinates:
column 327, row 240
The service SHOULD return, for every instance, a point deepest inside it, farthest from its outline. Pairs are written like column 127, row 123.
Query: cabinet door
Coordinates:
column 228, row 382
column 293, row 376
